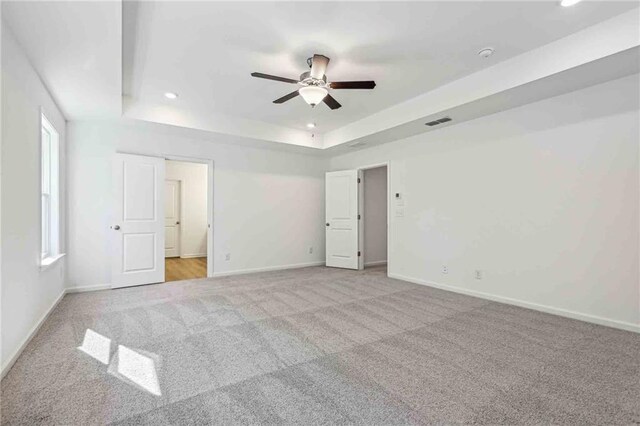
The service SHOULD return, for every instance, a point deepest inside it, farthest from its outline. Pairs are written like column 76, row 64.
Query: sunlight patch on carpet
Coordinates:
column 133, row 367
column 96, row 346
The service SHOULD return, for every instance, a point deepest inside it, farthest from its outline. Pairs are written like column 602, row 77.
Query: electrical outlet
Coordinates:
column 478, row 274
column 445, row 269
column 311, row 250
column 227, row 256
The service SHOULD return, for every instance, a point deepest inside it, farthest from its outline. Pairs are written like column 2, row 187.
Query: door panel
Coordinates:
column 139, row 252
column 139, row 191
column 170, row 241
column 342, row 219
column 138, row 234
column 172, row 227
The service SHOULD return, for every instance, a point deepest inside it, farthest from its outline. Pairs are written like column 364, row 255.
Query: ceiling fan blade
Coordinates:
column 319, row 66
column 273, row 77
column 352, row 84
column 285, row 98
column 331, row 102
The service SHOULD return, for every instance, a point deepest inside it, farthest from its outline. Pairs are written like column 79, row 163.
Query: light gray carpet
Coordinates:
column 317, row 346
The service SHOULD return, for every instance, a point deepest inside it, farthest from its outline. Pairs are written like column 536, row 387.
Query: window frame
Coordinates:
column 50, row 238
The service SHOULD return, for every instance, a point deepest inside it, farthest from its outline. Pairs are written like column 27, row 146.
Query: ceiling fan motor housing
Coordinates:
column 307, row 80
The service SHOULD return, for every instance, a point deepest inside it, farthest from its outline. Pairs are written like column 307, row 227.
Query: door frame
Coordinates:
column 210, row 193
column 361, row 169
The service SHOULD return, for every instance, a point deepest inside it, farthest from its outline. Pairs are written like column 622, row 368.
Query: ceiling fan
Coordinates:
column 315, row 88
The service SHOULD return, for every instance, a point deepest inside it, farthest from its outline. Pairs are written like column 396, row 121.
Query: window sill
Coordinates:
column 48, row 262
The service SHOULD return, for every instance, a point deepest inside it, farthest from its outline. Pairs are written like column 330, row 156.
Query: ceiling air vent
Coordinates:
column 439, row 121
column 357, row 144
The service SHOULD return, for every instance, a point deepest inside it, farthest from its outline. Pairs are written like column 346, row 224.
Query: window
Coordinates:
column 50, row 192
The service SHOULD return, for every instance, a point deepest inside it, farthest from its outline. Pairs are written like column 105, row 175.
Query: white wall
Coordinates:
column 544, row 199
column 193, row 213
column 27, row 292
column 375, row 215
column 268, row 205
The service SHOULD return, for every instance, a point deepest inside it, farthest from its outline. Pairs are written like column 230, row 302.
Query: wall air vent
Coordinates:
column 439, row 121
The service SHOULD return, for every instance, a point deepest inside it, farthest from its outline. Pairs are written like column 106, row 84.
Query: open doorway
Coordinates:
column 356, row 215
column 373, row 222
column 186, row 223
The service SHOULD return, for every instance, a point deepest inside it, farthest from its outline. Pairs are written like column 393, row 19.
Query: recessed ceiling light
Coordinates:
column 567, row 3
column 170, row 95
column 486, row 52
column 311, row 125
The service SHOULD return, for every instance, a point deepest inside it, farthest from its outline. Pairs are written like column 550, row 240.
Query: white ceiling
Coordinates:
column 107, row 59
column 76, row 48
column 205, row 51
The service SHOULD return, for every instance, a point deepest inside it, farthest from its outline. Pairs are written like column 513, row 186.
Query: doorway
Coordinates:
column 356, row 215
column 141, row 215
column 186, row 223
column 373, row 222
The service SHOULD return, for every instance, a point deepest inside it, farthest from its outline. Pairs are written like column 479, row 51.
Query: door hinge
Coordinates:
column 358, row 180
column 358, row 254
column 359, row 217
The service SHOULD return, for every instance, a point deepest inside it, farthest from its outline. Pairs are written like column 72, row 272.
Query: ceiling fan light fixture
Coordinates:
column 314, row 86
column 313, row 95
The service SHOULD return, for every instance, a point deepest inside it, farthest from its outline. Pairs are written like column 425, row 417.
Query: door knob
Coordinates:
column 117, row 227
column 178, row 223
column 327, row 223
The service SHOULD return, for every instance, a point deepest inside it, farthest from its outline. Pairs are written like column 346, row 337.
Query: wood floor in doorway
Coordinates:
column 176, row 269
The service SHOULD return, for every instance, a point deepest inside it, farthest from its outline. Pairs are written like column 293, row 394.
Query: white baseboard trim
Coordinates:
column 189, row 256
column 267, row 269
column 85, row 288
column 376, row 263
column 32, row 332
column 622, row 325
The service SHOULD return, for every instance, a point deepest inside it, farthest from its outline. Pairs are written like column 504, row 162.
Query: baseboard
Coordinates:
column 622, row 325
column 85, row 288
column 376, row 263
column 267, row 269
column 190, row 256
column 32, row 332
column 98, row 287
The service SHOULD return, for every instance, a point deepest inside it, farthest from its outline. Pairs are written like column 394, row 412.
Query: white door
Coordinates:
column 342, row 219
column 172, row 218
column 138, row 227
